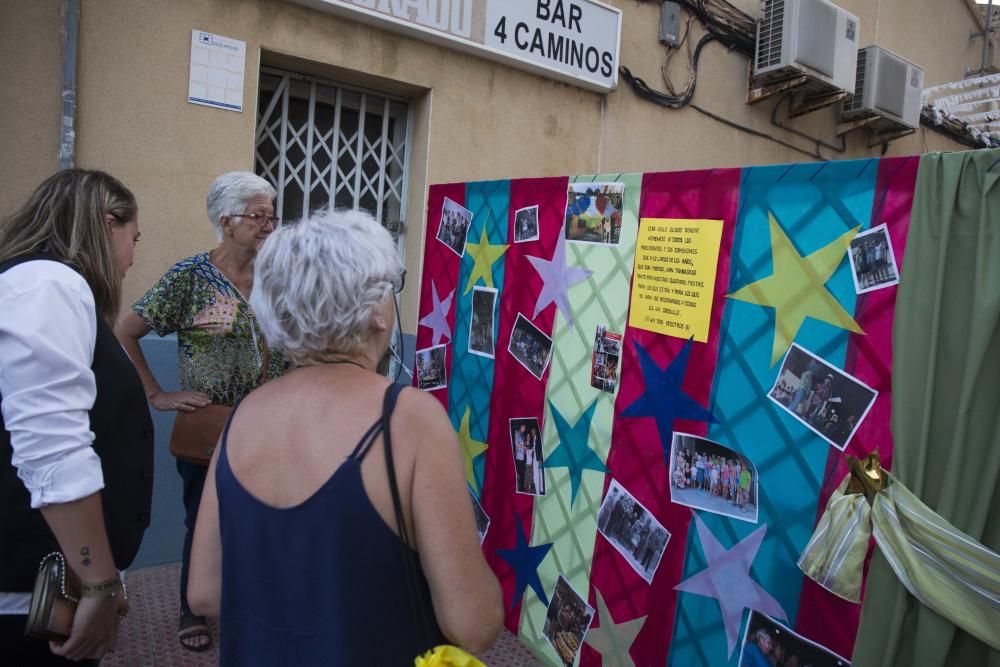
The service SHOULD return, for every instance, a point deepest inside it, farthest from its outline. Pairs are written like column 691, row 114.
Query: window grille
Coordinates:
column 326, row 145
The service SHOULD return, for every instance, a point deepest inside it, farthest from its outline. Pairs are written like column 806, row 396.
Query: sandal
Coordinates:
column 191, row 631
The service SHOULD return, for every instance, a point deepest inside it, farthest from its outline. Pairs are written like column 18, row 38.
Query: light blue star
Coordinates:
column 437, row 319
column 573, row 451
column 524, row 560
column 664, row 400
column 557, row 278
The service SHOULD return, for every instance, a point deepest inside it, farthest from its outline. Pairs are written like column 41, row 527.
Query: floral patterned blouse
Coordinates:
column 220, row 346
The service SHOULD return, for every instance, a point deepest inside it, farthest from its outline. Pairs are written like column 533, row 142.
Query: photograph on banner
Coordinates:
column 873, row 263
column 482, row 520
column 604, row 364
column 831, row 403
column 430, row 368
column 481, row 327
column 566, row 621
column 526, row 448
column 632, row 530
column 709, row 476
column 526, row 224
column 530, row 346
column 767, row 643
column 454, row 227
column 593, row 212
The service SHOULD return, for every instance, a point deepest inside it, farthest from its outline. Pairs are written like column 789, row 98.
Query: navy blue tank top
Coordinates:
column 319, row 583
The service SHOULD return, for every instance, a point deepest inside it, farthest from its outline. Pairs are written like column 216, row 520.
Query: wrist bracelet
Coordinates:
column 101, row 589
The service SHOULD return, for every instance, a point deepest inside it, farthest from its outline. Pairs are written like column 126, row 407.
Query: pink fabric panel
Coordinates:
column 822, row 615
column 636, row 459
column 516, row 392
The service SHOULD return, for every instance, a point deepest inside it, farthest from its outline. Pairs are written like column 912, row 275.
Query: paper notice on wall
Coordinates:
column 218, row 65
column 674, row 278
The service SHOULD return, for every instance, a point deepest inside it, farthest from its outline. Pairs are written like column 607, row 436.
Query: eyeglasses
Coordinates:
column 399, row 282
column 259, row 219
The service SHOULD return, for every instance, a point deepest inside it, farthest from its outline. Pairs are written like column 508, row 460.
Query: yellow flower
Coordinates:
column 447, row 656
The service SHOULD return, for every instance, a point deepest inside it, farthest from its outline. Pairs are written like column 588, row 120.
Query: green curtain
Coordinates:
column 946, row 397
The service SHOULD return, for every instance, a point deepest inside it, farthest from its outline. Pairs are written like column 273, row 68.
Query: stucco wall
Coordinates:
column 473, row 119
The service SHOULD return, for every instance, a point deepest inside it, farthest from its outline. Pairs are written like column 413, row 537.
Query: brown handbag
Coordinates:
column 195, row 434
column 53, row 600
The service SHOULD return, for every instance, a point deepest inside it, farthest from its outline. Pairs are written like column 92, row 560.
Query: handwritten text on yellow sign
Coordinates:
column 674, row 278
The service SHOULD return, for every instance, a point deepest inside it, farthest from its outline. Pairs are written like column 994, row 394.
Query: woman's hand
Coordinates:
column 182, row 401
column 95, row 628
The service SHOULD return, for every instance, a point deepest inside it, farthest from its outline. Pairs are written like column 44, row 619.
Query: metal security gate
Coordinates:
column 326, row 145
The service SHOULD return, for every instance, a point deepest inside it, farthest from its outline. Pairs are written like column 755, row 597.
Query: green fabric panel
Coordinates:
column 602, row 299
column 946, row 396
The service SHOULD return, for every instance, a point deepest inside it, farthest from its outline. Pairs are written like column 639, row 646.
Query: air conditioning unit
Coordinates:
column 887, row 86
column 812, row 37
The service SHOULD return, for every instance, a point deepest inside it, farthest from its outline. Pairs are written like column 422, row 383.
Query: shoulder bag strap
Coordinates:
column 412, row 567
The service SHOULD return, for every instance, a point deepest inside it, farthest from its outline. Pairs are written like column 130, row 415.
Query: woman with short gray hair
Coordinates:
column 221, row 352
column 298, row 548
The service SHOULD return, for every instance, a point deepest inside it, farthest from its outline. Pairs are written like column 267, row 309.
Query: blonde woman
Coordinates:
column 76, row 441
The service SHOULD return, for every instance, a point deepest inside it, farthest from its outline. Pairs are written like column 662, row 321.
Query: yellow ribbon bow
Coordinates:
column 447, row 656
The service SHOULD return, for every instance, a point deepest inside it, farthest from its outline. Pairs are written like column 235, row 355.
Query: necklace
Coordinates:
column 348, row 361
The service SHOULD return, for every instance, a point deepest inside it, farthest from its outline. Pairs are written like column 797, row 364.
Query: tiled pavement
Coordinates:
column 149, row 635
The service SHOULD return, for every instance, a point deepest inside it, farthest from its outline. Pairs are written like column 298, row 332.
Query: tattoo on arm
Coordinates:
column 85, row 552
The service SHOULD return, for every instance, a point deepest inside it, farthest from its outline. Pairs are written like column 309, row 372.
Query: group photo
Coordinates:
column 454, row 227
column 632, row 530
column 526, row 448
column 481, row 326
column 604, row 364
column 708, row 476
column 430, row 368
column 873, row 263
column 530, row 346
column 526, row 224
column 829, row 402
column 593, row 212
column 566, row 621
column 767, row 643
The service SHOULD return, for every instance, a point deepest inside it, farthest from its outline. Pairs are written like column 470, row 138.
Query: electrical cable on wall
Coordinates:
column 736, row 30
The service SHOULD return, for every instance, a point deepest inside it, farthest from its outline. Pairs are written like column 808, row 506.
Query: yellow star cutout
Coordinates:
column 484, row 255
column 470, row 449
column 797, row 287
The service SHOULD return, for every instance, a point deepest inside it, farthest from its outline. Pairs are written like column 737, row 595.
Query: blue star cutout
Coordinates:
column 524, row 560
column 573, row 451
column 663, row 399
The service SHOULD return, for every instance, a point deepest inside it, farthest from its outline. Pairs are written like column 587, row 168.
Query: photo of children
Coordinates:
column 632, row 530
column 454, row 227
column 526, row 224
column 530, row 346
column 430, row 368
column 604, row 365
column 482, row 521
column 711, row 477
column 873, row 263
column 566, row 621
column 481, row 326
column 593, row 212
column 526, row 447
column 829, row 402
column 768, row 643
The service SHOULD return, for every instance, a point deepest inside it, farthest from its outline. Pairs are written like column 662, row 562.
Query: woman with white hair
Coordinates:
column 301, row 549
column 221, row 351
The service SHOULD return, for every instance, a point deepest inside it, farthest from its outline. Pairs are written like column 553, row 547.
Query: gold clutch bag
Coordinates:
column 53, row 600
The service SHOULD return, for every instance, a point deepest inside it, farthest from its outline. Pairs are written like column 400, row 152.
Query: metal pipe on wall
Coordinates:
column 67, row 128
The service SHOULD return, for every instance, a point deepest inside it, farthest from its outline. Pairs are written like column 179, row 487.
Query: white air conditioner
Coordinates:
column 887, row 86
column 813, row 37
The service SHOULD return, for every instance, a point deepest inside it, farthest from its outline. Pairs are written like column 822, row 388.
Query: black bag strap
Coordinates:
column 410, row 563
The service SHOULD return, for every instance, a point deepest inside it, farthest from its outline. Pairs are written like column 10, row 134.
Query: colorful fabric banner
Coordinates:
column 648, row 495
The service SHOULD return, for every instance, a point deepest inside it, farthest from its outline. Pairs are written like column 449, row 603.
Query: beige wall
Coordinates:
column 473, row 119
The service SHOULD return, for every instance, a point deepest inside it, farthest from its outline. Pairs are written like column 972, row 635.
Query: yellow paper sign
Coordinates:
column 674, row 278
